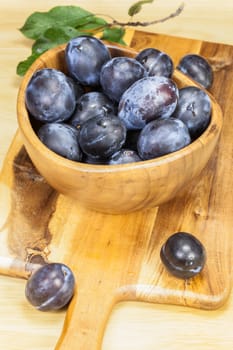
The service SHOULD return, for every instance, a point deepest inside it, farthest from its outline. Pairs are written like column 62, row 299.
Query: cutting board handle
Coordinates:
column 86, row 319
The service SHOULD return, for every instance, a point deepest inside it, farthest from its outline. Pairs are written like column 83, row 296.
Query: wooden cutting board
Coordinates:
column 116, row 257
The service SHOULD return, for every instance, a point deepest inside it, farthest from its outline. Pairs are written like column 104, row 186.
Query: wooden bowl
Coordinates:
column 117, row 188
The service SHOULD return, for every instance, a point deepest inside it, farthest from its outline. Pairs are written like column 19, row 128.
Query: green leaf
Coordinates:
column 54, row 37
column 92, row 23
column 114, row 34
column 60, row 16
column 36, row 25
column 23, row 66
column 137, row 6
column 69, row 15
column 61, row 34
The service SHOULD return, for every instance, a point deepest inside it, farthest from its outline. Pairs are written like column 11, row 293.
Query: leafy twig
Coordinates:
column 62, row 23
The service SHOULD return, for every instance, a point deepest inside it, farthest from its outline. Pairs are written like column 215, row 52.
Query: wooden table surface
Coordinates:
column 132, row 325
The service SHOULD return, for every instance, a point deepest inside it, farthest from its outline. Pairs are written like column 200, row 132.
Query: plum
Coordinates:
column 183, row 255
column 101, row 136
column 124, row 156
column 194, row 109
column 162, row 136
column 85, row 56
column 90, row 105
column 51, row 287
column 156, row 62
column 61, row 139
column 50, row 96
column 147, row 99
column 118, row 74
column 198, row 68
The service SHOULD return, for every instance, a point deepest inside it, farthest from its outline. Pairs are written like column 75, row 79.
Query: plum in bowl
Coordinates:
column 116, row 188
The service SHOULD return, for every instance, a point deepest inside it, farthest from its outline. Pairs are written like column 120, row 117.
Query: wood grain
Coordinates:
column 116, row 258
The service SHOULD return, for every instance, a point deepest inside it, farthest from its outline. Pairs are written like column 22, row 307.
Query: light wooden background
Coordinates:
column 132, row 325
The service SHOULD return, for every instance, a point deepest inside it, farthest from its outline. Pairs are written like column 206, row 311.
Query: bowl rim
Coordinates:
column 27, row 130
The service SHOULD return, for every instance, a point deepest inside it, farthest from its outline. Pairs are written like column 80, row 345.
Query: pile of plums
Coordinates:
column 114, row 110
